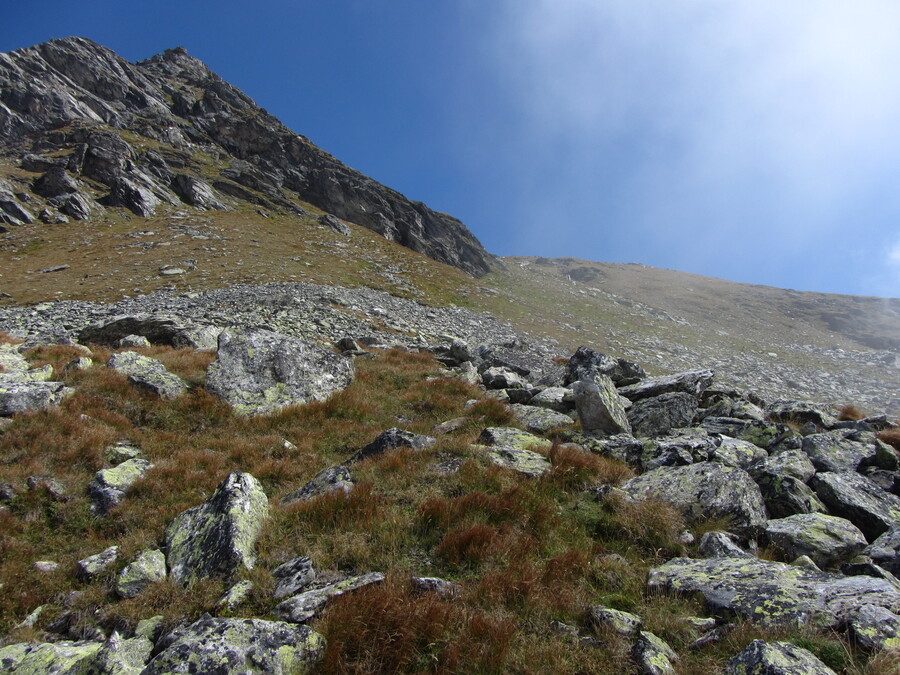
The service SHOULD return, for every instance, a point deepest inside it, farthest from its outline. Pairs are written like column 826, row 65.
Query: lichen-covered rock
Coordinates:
column 599, row 406
column 247, row 646
column 717, row 544
column 157, row 328
column 499, row 377
column 789, row 463
column 679, row 447
column 653, row 655
column 392, row 439
column 738, row 453
column 587, row 364
column 775, row 658
column 20, row 397
column 333, row 478
column 703, row 491
column 109, row 485
column 828, row 540
column 148, row 374
column 526, row 462
column 121, row 452
column 306, row 605
column 219, row 536
column 859, row 500
column 786, row 495
column 539, row 420
column 148, row 568
column 773, row 593
column 258, row 372
column 834, row 451
column 619, row 622
column 876, row 628
column 623, row 447
column 236, row 595
column 293, row 576
column 510, row 437
column 59, row 658
column 93, row 565
column 658, row 415
column 885, row 551
column 121, row 657
column 560, row 399
column 767, row 435
column 692, row 382
column 800, row 412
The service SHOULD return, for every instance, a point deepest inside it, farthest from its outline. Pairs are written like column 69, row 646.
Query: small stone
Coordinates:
column 148, row 568
column 236, row 595
column 293, row 576
column 90, row 567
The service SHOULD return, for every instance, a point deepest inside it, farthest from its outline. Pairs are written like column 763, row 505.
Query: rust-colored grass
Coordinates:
column 891, row 437
column 850, row 413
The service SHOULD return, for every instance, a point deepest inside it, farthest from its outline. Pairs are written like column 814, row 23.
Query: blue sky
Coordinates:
column 752, row 141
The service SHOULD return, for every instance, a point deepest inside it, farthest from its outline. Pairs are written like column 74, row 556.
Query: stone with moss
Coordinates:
column 703, row 491
column 90, row 567
column 147, row 373
column 331, row 479
column 304, row 606
column 659, row 415
column 599, row 406
column 859, row 500
column 236, row 595
column 837, row 451
column 510, row 437
column 776, row 658
column 62, row 658
column 148, row 568
column 118, row 656
column 258, row 372
column 150, row 628
column 622, row 623
column 773, row 593
column 110, row 485
column 786, row 496
column 247, row 646
column 828, row 540
column 121, row 452
column 738, row 453
column 219, row 536
column 21, row 397
column 539, row 420
column 767, row 435
column 876, row 628
column 653, row 655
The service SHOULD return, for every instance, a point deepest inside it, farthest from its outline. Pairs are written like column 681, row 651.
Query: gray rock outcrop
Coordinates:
column 599, row 407
column 776, row 658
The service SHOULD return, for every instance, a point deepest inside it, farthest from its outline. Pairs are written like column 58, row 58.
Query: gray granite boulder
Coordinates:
column 834, row 451
column 599, row 406
column 109, row 485
column 735, row 452
column 511, row 448
column 828, row 540
column 703, row 491
column 304, row 606
column 693, row 383
column 773, row 593
column 148, row 374
column 90, row 567
column 775, row 658
column 293, row 576
column 148, row 568
column 21, row 397
column 258, row 372
column 539, row 420
column 876, row 628
column 587, row 364
column 219, row 536
column 885, row 550
column 658, row 415
column 786, row 495
column 718, row 544
column 213, row 645
column 653, row 655
column 559, row 399
column 859, row 500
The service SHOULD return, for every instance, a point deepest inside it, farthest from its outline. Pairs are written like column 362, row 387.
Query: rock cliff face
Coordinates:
column 104, row 132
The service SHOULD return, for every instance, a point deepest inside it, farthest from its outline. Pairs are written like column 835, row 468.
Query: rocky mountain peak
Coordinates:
column 168, row 130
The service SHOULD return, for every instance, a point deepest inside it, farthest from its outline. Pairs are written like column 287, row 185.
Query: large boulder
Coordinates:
column 735, row 452
column 599, row 407
column 885, row 551
column 775, row 658
column 213, row 645
column 658, row 415
column 258, row 372
column 693, row 382
column 786, row 495
column 47, row 657
column 157, row 328
column 876, row 628
column 836, row 451
column 774, row 593
column 704, row 491
column 219, row 536
column 148, row 374
column 859, row 500
column 800, row 412
column 828, row 540
column 21, row 397
column 586, row 364
column 539, row 420
column 109, row 485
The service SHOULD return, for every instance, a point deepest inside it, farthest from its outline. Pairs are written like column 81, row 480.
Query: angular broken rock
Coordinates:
column 157, row 328
column 109, row 485
column 859, row 500
column 776, row 658
column 333, row 478
column 693, row 382
column 828, row 540
column 658, row 415
column 876, row 628
column 258, row 372
column 304, row 606
column 213, row 645
column 703, row 491
column 510, row 448
column 148, row 374
column 21, row 397
column 219, row 536
column 885, row 551
column 772, row 593
column 148, row 568
column 391, row 439
column 93, row 565
column 587, row 364
column 293, row 576
column 599, row 407
column 539, row 420
column 834, row 451
column 653, row 655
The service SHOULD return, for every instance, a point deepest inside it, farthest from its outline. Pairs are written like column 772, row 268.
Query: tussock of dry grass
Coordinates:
column 891, row 437
column 850, row 413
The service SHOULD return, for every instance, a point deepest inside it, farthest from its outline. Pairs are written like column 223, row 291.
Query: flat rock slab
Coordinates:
column 219, row 536
column 703, row 491
column 306, row 605
column 859, row 500
column 657, row 415
column 834, row 451
column 773, row 593
column 511, row 448
column 776, row 658
column 539, row 420
column 46, row 657
column 212, row 645
column 21, row 397
column 258, row 372
column 148, row 374
column 693, row 382
column 828, row 540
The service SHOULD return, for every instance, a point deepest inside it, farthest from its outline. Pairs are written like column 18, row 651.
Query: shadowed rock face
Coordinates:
column 75, row 96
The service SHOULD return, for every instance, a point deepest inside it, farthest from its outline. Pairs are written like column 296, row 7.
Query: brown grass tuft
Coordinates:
column 467, row 546
column 576, row 469
column 850, row 413
column 891, row 437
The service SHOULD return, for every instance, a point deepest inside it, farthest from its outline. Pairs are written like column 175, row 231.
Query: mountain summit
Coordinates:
column 108, row 133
